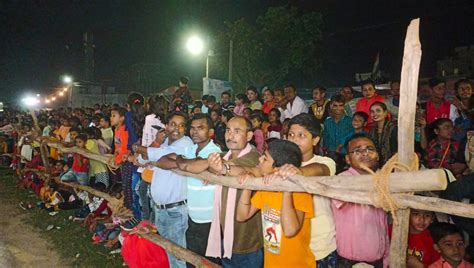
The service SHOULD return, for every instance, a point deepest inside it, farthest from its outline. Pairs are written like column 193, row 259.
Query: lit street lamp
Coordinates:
column 67, row 79
column 195, row 46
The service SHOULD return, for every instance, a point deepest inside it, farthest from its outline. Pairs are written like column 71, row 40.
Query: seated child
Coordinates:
column 449, row 242
column 285, row 215
column 421, row 252
column 66, row 174
column 359, row 122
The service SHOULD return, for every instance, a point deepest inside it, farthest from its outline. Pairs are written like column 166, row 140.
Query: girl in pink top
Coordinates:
column 258, row 137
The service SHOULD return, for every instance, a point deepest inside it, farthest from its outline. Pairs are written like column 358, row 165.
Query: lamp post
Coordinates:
column 67, row 79
column 195, row 46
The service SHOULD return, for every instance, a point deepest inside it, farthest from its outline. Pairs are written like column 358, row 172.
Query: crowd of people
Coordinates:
column 269, row 134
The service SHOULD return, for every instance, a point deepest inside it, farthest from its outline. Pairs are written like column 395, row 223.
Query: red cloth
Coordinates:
column 103, row 206
column 433, row 113
column 76, row 167
column 421, row 246
column 363, row 105
column 138, row 252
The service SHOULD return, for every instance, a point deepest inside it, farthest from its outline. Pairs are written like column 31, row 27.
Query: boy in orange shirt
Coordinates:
column 285, row 215
column 121, row 134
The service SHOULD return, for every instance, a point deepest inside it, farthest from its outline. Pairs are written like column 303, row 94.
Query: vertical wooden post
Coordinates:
column 406, row 133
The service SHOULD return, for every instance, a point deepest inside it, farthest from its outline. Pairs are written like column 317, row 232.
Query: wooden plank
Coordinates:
column 406, row 134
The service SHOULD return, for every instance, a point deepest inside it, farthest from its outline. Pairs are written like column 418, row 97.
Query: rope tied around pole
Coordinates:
column 380, row 194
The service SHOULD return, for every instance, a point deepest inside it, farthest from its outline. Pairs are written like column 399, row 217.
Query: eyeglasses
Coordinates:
column 360, row 151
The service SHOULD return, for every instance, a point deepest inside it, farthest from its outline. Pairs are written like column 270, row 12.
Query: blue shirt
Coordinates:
column 336, row 133
column 132, row 134
column 200, row 196
column 166, row 186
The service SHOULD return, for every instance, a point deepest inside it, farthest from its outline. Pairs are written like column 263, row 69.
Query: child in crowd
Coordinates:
column 449, row 242
column 258, row 137
column 104, row 148
column 442, row 151
column 421, row 252
column 97, row 169
column 359, row 122
column 66, row 174
column 107, row 132
column 284, row 128
column 274, row 130
column 247, row 112
column 285, row 215
column 219, row 127
column 80, row 165
column 241, row 102
column 121, row 135
column 64, row 128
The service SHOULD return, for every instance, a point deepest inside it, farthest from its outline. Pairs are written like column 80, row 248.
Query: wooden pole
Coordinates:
column 43, row 150
column 406, row 134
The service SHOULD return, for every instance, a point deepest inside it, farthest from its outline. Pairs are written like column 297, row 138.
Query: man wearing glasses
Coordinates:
column 361, row 230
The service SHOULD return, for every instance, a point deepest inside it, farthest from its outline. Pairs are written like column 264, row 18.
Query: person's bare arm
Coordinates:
column 196, row 165
column 291, row 219
column 245, row 209
column 219, row 167
column 165, row 162
column 315, row 169
column 141, row 150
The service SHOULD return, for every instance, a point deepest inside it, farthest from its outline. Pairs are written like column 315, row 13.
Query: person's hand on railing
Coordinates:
column 283, row 172
column 244, row 176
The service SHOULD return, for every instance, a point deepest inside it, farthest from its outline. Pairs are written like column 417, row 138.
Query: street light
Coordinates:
column 30, row 101
column 195, row 45
column 67, row 79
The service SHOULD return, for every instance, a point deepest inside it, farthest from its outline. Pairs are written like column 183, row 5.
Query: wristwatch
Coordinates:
column 227, row 169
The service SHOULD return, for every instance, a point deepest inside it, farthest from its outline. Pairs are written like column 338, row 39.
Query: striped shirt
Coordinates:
column 200, row 196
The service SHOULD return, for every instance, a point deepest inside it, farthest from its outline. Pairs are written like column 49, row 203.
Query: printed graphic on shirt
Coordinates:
column 271, row 227
column 416, row 253
column 117, row 141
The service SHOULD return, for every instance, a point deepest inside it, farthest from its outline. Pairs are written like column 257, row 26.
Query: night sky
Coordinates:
column 41, row 40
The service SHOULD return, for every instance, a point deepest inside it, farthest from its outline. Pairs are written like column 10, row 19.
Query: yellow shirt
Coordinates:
column 95, row 167
column 279, row 250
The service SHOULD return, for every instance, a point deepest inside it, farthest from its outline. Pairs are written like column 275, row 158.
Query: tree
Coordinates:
column 283, row 44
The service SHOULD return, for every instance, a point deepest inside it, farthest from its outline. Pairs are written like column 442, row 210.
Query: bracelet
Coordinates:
column 227, row 169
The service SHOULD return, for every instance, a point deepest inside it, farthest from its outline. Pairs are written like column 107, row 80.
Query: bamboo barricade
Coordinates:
column 356, row 189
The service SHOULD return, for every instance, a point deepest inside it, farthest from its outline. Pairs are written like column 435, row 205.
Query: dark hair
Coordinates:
column 279, row 90
column 364, row 115
column 321, row 89
column 116, row 188
column 82, row 137
column 381, row 104
column 158, row 105
column 217, row 111
column 254, row 89
column 204, row 97
column 242, row 97
column 200, row 116
column 106, row 118
column 99, row 186
column 366, row 82
column 291, row 86
column 75, row 120
column 228, row 114
column 284, row 152
column 443, row 229
column 225, row 93
column 211, row 98
column 120, row 110
column 434, row 82
column 355, row 137
column 337, row 98
column 173, row 114
column 90, row 132
column 394, row 81
column 184, row 80
column 308, row 122
column 195, row 107
column 260, row 115
column 349, row 87
column 438, row 122
column 76, row 129
column 269, row 90
column 278, row 113
column 136, row 103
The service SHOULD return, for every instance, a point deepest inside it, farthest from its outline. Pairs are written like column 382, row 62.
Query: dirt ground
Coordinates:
column 20, row 244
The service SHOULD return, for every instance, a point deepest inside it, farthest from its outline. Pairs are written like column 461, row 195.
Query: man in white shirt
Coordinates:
column 295, row 105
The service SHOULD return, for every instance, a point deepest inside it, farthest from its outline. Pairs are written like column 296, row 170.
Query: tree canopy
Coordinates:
column 283, row 44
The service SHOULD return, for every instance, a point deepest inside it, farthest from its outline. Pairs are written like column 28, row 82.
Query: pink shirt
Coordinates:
column 361, row 230
column 441, row 263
